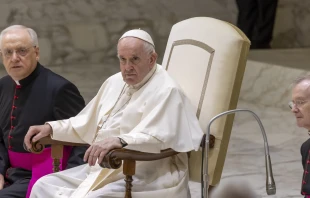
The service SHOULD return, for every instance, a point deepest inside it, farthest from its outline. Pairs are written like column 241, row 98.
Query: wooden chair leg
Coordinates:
column 57, row 154
column 56, row 163
column 129, row 169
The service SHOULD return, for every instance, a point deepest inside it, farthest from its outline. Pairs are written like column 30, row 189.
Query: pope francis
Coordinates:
column 140, row 108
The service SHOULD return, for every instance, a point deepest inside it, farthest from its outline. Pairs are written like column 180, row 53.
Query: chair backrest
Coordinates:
column 207, row 58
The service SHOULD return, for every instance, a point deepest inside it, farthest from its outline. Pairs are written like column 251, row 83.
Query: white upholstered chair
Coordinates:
column 207, row 58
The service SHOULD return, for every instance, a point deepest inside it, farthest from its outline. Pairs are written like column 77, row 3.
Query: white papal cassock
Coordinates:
column 150, row 116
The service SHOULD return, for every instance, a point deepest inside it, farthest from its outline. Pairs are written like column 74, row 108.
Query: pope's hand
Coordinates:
column 36, row 133
column 99, row 149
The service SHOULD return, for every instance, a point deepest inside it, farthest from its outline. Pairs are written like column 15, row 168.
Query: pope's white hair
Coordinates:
column 149, row 48
column 32, row 33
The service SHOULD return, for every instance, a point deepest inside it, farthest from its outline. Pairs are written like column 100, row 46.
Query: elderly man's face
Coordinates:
column 301, row 101
column 135, row 62
column 18, row 54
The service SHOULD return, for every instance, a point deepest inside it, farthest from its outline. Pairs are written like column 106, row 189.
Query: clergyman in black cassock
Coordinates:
column 300, row 106
column 30, row 97
column 305, row 154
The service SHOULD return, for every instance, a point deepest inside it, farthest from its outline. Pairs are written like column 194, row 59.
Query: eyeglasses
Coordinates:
column 22, row 51
column 296, row 103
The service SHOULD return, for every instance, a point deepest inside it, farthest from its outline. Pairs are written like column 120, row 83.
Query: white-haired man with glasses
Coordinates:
column 30, row 95
column 300, row 106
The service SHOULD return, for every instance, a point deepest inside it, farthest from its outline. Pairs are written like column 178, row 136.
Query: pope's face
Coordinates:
column 301, row 104
column 18, row 54
column 135, row 62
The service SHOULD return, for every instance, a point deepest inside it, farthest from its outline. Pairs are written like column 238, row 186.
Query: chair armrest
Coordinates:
column 38, row 147
column 114, row 158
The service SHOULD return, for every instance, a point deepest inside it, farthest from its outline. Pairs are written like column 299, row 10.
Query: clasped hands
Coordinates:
column 96, row 150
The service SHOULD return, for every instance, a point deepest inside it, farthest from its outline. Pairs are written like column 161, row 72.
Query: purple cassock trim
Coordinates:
column 20, row 160
column 40, row 164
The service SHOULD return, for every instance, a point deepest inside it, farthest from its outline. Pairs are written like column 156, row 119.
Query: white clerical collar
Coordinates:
column 17, row 82
column 145, row 79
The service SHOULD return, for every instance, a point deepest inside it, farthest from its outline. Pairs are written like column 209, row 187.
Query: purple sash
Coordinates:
column 40, row 164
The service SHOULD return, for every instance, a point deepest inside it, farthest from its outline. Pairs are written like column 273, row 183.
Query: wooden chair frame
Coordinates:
column 113, row 160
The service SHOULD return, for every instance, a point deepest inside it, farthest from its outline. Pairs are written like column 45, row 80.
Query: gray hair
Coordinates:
column 148, row 47
column 301, row 79
column 32, row 33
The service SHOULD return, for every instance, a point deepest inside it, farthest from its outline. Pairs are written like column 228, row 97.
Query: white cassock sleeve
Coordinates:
column 83, row 127
column 168, row 121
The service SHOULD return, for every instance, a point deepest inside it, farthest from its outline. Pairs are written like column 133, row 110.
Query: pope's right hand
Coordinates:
column 35, row 133
column 1, row 181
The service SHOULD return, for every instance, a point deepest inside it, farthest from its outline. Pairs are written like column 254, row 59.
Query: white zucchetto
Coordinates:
column 137, row 33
